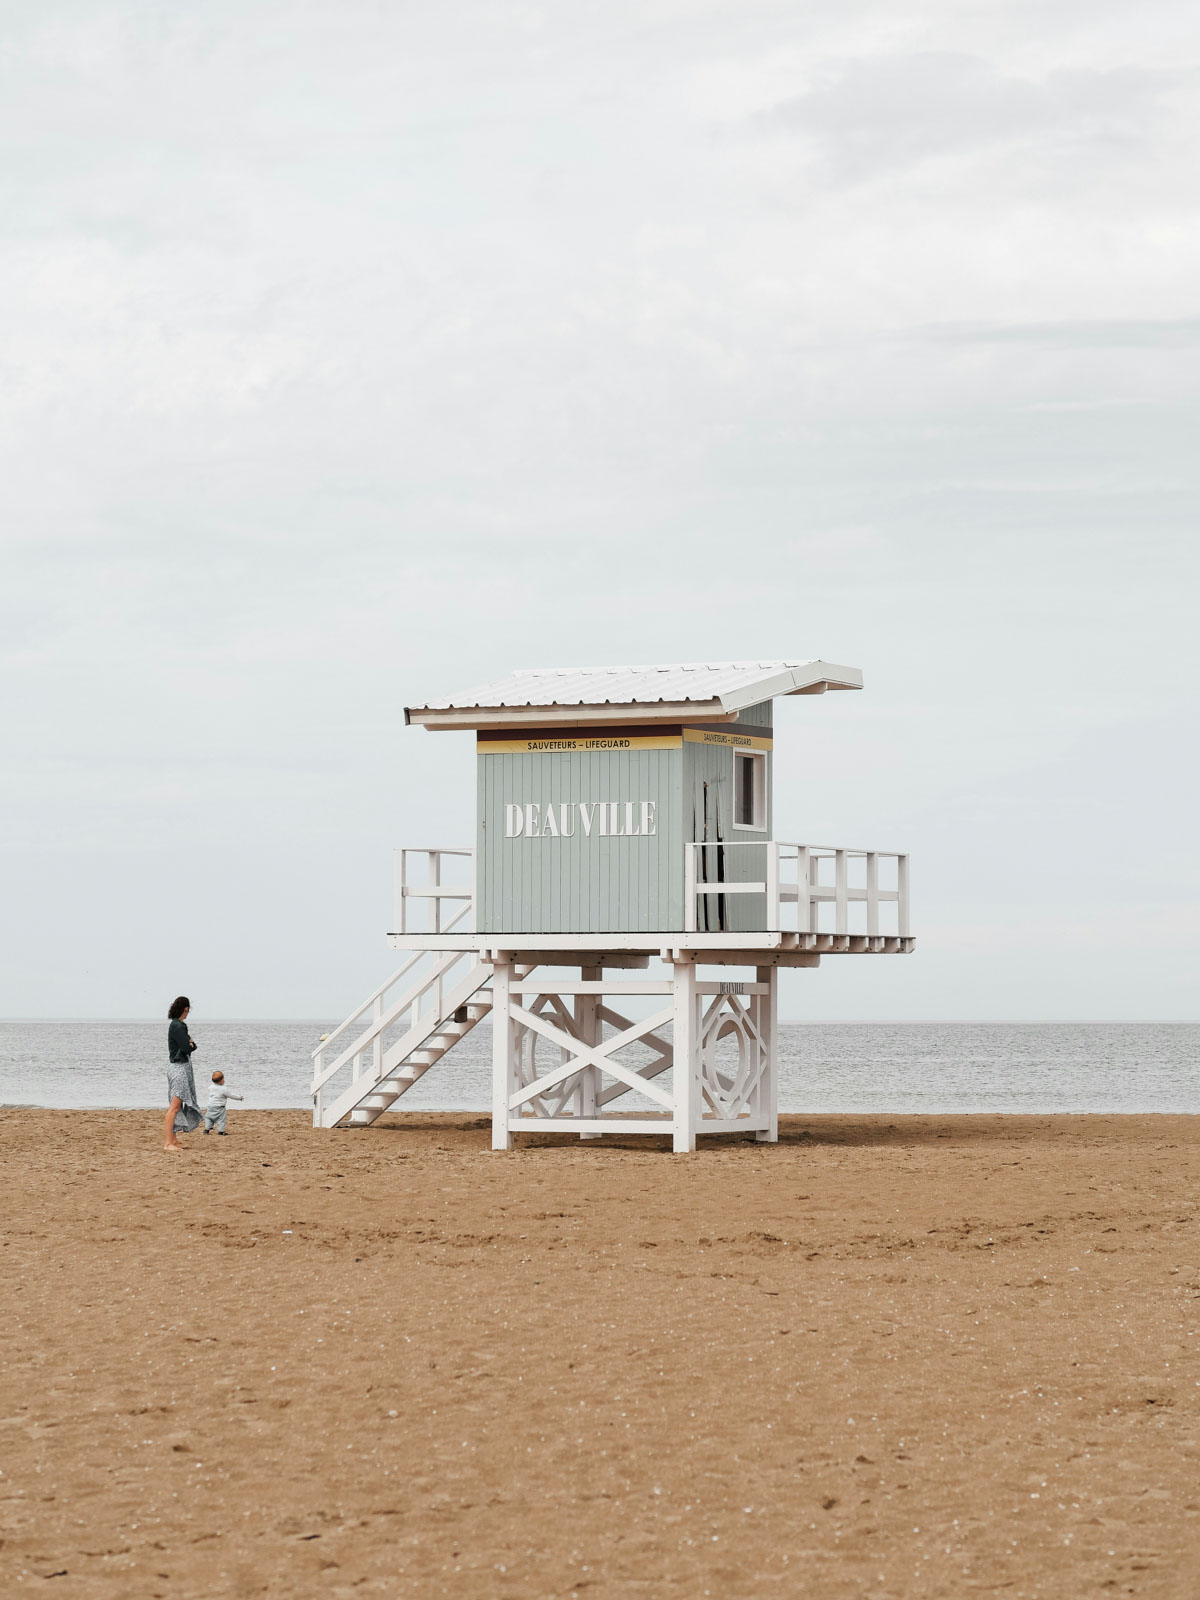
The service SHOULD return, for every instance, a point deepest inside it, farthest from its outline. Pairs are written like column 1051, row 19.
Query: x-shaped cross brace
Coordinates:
column 590, row 1056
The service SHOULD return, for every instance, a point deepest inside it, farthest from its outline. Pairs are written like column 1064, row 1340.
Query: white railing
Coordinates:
column 362, row 1034
column 360, row 1041
column 433, row 890
column 792, row 874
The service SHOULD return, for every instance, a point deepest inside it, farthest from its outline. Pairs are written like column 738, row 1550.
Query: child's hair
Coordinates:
column 178, row 1007
column 217, row 1074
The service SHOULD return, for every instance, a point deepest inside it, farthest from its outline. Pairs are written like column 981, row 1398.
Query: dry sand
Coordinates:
column 889, row 1357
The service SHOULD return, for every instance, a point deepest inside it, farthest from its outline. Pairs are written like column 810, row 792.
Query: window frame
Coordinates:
column 758, row 759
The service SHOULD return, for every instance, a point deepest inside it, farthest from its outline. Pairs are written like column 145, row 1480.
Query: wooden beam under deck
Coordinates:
column 635, row 949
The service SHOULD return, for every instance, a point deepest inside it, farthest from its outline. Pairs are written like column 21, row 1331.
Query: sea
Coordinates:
column 903, row 1067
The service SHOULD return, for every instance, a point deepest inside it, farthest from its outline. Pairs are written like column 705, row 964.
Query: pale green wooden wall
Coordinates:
column 609, row 885
column 708, row 775
column 580, row 885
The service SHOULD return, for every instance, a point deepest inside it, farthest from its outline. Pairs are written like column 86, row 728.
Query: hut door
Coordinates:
column 712, row 819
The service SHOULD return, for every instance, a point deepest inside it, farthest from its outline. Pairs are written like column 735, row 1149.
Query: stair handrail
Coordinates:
column 383, row 1019
column 422, row 1029
column 367, row 1003
column 428, row 1026
column 377, row 994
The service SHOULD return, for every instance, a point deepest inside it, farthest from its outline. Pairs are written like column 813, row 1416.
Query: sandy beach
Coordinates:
column 889, row 1357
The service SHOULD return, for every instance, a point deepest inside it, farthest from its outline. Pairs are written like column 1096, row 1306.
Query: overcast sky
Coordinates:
column 352, row 353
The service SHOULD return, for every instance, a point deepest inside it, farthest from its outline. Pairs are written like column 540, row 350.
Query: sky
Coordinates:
column 354, row 353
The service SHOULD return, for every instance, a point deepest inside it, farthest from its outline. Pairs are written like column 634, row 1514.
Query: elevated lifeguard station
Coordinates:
column 625, row 816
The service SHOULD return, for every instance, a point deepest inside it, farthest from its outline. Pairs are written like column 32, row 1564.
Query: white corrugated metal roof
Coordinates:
column 731, row 685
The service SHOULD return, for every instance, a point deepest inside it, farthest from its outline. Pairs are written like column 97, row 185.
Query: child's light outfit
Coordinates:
column 218, row 1094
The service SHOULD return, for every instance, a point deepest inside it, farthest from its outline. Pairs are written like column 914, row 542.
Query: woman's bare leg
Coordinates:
column 170, row 1142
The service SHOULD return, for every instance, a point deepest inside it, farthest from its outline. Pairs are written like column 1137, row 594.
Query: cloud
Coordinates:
column 352, row 353
column 881, row 113
column 1117, row 333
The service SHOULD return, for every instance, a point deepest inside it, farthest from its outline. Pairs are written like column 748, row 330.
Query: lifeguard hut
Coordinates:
column 625, row 817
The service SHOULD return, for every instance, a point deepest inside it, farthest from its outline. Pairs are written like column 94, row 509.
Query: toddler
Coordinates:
column 219, row 1092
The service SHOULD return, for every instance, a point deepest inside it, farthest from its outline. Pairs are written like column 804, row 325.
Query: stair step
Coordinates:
column 404, row 1078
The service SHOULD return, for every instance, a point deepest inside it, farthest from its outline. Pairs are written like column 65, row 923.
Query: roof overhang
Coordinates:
column 814, row 677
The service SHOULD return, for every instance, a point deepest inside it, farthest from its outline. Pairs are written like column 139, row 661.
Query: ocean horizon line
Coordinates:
column 785, row 1022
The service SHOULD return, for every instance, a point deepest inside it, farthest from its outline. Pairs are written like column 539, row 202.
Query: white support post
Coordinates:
column 902, row 896
column 588, row 1026
column 435, row 882
column 768, row 1014
column 377, row 1048
column 772, row 887
column 685, row 1071
column 504, row 1076
column 803, row 899
column 565, row 1053
column 872, row 894
column 689, row 888
column 841, row 899
column 814, row 882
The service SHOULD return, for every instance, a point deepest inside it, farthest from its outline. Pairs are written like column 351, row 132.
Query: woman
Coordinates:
column 183, row 1114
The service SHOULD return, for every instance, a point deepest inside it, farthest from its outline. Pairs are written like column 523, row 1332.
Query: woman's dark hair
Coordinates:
column 178, row 1007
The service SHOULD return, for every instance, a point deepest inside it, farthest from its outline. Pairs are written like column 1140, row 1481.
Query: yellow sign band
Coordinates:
column 740, row 741
column 568, row 743
column 552, row 744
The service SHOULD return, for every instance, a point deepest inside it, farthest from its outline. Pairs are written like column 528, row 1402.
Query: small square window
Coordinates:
column 749, row 789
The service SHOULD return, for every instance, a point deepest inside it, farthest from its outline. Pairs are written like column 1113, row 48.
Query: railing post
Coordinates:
column 474, row 916
column 803, row 898
column 503, row 1062
column 435, row 880
column 689, row 888
column 872, row 893
column 766, row 1007
column 377, row 1053
column 772, row 886
column 841, row 914
column 902, row 896
column 685, row 1064
column 587, row 1025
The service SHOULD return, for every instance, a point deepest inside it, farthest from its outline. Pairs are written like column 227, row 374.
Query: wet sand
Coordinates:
column 889, row 1357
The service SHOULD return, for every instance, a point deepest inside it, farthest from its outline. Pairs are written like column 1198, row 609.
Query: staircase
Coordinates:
column 379, row 1075
column 402, row 1070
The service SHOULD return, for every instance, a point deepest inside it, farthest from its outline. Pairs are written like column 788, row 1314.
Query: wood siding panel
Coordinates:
column 759, row 716
column 736, row 855
column 580, row 884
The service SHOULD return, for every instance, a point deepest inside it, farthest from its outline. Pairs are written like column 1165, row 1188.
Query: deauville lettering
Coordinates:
column 603, row 819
